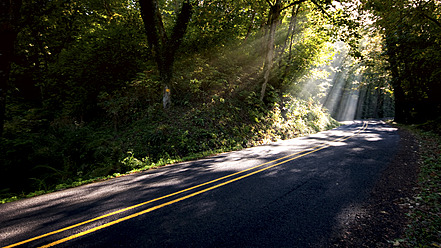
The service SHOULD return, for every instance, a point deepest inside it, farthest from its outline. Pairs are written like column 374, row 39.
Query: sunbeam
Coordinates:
column 334, row 85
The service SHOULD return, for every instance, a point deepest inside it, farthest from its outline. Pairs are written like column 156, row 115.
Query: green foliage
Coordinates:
column 425, row 219
column 412, row 33
column 101, row 61
column 218, row 22
column 69, row 152
column 85, row 97
column 70, row 52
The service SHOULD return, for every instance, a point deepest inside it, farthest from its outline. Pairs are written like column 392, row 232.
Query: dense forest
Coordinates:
column 92, row 88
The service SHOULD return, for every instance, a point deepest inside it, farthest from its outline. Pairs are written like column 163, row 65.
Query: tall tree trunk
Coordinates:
column 273, row 19
column 166, row 74
column 9, row 12
column 292, row 29
column 164, row 49
column 401, row 111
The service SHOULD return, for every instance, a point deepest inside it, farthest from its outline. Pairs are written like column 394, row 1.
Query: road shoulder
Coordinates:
column 383, row 217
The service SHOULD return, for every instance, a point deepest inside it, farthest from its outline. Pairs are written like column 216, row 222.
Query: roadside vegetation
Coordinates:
column 91, row 93
column 92, row 89
column 61, row 157
column 424, row 228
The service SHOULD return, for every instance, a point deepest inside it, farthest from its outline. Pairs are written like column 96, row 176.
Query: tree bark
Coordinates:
column 164, row 49
column 274, row 15
column 9, row 13
column 273, row 19
column 250, row 27
column 290, row 36
column 402, row 114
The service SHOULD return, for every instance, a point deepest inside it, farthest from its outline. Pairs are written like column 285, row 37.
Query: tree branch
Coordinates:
column 423, row 14
column 433, row 20
column 180, row 26
column 164, row 49
column 151, row 23
column 321, row 8
column 292, row 4
column 270, row 4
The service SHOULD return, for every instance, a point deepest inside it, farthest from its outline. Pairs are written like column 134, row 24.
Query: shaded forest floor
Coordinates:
column 404, row 207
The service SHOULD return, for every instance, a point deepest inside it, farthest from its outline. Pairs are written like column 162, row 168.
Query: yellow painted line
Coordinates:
column 143, row 203
column 187, row 196
column 172, row 202
column 314, row 149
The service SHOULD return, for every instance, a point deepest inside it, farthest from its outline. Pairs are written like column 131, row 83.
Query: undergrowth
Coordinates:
column 133, row 138
column 424, row 229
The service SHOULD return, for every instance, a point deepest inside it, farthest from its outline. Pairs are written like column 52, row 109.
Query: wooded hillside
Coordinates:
column 91, row 88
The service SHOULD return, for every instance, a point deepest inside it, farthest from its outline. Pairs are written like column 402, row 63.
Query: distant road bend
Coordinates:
column 293, row 193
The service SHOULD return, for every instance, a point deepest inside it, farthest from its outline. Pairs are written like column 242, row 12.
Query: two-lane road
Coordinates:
column 293, row 193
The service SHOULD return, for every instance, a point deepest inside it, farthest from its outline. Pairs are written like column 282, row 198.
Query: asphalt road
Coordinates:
column 294, row 193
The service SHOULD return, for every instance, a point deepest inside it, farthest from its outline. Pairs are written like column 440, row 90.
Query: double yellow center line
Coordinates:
column 251, row 171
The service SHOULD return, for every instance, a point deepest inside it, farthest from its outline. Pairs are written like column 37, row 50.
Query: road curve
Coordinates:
column 293, row 193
